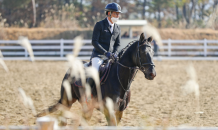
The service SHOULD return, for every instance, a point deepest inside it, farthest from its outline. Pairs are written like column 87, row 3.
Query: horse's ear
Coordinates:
column 142, row 37
column 150, row 39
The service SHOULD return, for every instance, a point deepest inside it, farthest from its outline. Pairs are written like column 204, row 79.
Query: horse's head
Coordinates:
column 145, row 56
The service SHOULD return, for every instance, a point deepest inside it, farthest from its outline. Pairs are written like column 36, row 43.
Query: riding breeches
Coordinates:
column 96, row 62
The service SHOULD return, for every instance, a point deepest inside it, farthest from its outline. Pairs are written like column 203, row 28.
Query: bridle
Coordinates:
column 135, row 68
column 140, row 62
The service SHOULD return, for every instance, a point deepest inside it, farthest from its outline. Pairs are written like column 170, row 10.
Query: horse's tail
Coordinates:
column 49, row 110
column 63, row 102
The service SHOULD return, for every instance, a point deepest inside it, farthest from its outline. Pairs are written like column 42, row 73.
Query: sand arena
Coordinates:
column 157, row 102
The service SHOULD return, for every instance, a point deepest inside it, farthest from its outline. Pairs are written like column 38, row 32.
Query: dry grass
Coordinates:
column 48, row 33
column 23, row 41
column 2, row 62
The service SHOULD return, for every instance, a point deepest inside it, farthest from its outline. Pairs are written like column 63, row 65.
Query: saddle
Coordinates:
column 104, row 70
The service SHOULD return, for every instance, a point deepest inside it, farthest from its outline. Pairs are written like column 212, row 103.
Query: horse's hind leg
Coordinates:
column 65, row 103
column 87, row 112
column 87, row 108
column 64, row 99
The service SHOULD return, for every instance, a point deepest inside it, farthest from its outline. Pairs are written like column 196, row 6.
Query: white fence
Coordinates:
column 58, row 49
column 107, row 128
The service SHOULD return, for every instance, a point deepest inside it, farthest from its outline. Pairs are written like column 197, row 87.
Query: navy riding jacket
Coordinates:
column 103, row 40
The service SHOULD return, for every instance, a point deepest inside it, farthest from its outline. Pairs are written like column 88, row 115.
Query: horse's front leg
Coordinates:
column 118, row 115
column 111, row 118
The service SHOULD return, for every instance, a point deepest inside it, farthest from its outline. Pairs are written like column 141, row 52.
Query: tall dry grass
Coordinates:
column 192, row 86
column 152, row 31
column 213, row 19
column 3, row 63
column 56, row 18
column 23, row 41
column 2, row 25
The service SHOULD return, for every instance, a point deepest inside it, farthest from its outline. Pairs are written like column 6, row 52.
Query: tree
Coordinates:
column 187, row 11
column 178, row 4
column 159, row 6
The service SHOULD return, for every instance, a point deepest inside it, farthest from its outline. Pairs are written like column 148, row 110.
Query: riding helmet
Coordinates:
column 113, row 7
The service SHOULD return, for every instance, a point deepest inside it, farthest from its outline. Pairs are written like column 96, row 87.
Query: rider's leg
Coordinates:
column 96, row 62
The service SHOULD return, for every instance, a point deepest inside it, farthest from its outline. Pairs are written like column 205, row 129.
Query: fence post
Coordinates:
column 169, row 47
column 62, row 48
column 26, row 53
column 205, row 47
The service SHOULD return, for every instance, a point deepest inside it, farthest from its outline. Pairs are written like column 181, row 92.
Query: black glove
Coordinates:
column 109, row 55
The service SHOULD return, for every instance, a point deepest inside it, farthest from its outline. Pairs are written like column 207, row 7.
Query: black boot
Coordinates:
column 90, row 81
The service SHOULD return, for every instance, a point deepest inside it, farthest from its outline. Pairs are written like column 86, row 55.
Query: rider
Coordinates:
column 106, row 35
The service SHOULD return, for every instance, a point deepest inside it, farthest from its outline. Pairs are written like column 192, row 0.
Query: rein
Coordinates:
column 130, row 68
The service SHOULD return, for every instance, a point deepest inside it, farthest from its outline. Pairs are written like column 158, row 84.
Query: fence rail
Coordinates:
column 108, row 128
column 58, row 49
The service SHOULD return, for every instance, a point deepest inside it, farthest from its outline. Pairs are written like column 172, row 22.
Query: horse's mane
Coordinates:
column 125, row 48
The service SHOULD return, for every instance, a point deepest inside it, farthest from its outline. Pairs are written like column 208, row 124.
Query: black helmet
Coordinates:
column 113, row 7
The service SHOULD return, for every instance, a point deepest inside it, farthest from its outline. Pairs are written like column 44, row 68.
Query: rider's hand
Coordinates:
column 109, row 55
column 115, row 54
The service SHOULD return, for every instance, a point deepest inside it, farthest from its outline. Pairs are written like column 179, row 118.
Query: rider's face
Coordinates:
column 115, row 14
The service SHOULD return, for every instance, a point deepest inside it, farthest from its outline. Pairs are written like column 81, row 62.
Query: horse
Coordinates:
column 137, row 55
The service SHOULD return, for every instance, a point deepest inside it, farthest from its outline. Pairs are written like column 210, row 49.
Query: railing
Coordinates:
column 190, row 48
column 58, row 49
column 107, row 128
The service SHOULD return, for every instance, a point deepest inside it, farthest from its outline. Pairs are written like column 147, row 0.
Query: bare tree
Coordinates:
column 187, row 12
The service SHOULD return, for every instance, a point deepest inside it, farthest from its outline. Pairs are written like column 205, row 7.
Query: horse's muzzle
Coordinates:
column 151, row 76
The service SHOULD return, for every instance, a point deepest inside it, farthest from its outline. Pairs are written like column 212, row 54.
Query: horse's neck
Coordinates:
column 128, row 60
column 129, row 57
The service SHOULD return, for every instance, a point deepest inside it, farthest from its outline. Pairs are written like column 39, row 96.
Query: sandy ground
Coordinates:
column 157, row 102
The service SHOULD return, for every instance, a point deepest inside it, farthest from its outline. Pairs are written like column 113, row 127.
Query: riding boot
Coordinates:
column 90, row 81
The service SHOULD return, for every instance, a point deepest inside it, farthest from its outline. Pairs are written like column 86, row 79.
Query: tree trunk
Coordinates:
column 177, row 13
column 215, row 4
column 81, row 5
column 143, row 10
column 202, row 10
column 185, row 14
column 188, row 14
column 34, row 13
column 67, row 1
column 159, row 19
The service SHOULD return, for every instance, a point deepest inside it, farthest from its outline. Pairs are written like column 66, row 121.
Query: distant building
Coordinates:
column 130, row 30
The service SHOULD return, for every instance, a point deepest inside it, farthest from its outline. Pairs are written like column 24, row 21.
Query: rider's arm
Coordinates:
column 117, row 42
column 95, row 39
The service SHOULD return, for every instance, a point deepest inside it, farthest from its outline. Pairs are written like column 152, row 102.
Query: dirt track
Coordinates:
column 157, row 102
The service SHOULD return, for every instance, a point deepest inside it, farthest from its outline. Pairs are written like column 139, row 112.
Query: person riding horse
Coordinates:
column 137, row 55
column 106, row 37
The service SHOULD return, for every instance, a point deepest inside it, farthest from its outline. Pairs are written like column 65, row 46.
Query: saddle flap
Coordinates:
column 104, row 70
